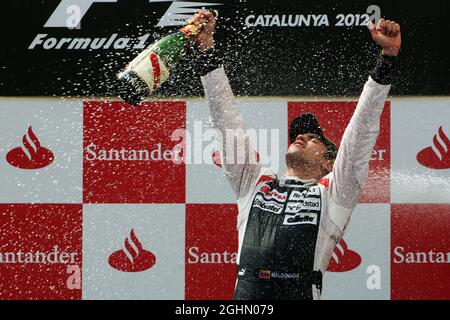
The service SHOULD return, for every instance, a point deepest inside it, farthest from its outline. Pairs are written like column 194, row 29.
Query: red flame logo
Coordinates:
column 343, row 259
column 217, row 159
column 133, row 258
column 438, row 155
column 31, row 155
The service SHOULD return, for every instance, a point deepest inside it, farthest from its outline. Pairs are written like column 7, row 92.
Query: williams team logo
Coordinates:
column 343, row 258
column 31, row 155
column 134, row 258
column 437, row 156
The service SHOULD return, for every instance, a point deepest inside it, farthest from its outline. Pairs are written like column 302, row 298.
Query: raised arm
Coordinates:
column 351, row 166
column 239, row 160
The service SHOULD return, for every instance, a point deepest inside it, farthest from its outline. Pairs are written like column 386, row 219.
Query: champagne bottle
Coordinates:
column 152, row 66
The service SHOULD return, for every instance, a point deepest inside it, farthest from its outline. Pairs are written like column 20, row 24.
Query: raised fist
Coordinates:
column 387, row 35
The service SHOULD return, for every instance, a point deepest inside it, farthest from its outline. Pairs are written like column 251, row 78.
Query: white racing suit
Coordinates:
column 288, row 228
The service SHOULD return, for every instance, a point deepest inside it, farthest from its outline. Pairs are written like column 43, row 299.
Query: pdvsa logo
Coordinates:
column 30, row 155
column 436, row 156
column 133, row 258
column 343, row 259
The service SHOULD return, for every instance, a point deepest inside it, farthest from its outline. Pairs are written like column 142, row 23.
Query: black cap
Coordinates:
column 307, row 123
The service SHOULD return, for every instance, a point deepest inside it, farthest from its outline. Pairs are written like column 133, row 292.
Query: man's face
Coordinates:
column 308, row 150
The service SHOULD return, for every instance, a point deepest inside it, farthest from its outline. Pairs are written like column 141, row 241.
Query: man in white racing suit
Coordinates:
column 288, row 225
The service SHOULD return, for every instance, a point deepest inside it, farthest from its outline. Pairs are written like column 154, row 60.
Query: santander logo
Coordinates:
column 437, row 156
column 343, row 259
column 133, row 258
column 31, row 155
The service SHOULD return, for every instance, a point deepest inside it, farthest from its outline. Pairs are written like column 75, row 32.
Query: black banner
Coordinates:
column 230, row 310
column 270, row 48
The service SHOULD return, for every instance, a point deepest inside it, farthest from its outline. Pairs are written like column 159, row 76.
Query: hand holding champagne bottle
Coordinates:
column 205, row 37
column 152, row 66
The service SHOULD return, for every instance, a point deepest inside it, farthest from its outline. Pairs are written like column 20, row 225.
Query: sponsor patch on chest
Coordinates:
column 270, row 206
column 308, row 204
column 298, row 195
column 273, row 194
column 300, row 218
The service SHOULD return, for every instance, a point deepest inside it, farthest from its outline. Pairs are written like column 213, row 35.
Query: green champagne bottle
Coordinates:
column 152, row 66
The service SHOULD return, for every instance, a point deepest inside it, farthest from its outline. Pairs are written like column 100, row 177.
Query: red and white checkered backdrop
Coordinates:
column 80, row 222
